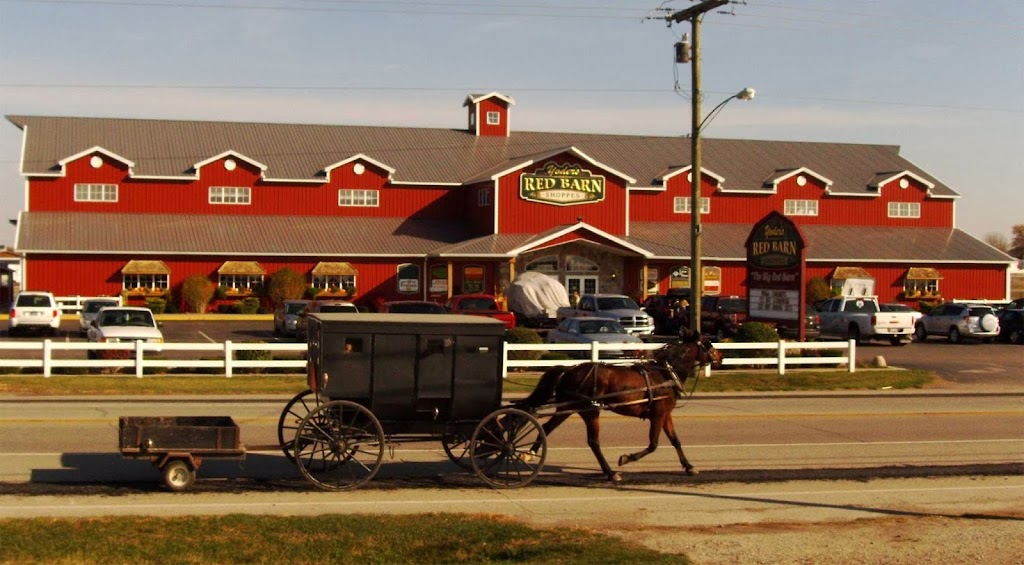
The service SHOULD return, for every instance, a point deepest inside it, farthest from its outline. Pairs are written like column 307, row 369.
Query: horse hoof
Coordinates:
column 691, row 471
column 616, row 478
column 623, row 459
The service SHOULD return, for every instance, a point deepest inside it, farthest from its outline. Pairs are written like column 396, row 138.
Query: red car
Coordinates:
column 480, row 305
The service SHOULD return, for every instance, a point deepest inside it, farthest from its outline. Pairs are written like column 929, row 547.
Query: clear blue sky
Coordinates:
column 943, row 79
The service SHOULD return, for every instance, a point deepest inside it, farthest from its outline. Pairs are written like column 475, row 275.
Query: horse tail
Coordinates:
column 545, row 389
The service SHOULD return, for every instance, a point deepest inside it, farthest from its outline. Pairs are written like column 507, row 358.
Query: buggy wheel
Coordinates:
column 508, row 448
column 291, row 417
column 339, row 445
column 457, row 447
column 179, row 475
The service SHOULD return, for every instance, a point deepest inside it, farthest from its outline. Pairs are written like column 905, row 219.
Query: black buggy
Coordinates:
column 402, row 378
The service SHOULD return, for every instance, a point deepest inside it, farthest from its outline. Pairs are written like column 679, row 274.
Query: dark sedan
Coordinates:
column 1011, row 325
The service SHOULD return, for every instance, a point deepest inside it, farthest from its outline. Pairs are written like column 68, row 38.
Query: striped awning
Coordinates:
column 845, row 273
column 241, row 268
column 136, row 267
column 923, row 274
column 326, row 269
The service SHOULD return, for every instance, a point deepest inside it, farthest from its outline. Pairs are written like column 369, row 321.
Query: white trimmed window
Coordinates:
column 904, row 209
column 151, row 282
column 241, row 282
column 334, row 281
column 493, row 118
column 801, row 208
column 357, row 197
column 230, row 195
column 545, row 264
column 681, row 205
column 95, row 193
column 483, row 197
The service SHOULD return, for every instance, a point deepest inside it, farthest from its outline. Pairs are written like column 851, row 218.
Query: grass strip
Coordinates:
column 335, row 538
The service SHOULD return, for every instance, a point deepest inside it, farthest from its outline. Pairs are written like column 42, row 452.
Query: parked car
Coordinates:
column 90, row 308
column 34, row 311
column 898, row 307
column 480, row 305
column 124, row 324
column 812, row 327
column 414, row 307
column 957, row 320
column 721, row 316
column 590, row 330
column 615, row 306
column 861, row 319
column 1011, row 325
column 287, row 315
column 318, row 307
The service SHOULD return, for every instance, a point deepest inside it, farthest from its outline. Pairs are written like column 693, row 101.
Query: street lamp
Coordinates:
column 696, row 269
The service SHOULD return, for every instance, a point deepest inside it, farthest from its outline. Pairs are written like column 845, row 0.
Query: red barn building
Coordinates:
column 135, row 206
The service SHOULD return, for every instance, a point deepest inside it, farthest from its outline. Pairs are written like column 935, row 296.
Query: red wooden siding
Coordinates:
column 522, row 216
column 833, row 209
column 480, row 218
column 493, row 105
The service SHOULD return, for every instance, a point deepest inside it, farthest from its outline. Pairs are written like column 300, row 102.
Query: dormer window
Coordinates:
column 493, row 118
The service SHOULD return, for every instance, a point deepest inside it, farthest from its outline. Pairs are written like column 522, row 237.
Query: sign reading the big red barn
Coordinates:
column 775, row 271
column 562, row 185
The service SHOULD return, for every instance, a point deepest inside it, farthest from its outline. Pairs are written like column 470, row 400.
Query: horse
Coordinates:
column 648, row 390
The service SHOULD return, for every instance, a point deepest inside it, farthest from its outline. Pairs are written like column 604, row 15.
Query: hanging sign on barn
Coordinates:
column 561, row 184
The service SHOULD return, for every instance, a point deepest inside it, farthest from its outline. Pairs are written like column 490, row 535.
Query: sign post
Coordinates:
column 776, row 261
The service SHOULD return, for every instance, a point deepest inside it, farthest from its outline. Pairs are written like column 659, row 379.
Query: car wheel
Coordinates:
column 920, row 334
column 954, row 335
column 854, row 333
column 896, row 340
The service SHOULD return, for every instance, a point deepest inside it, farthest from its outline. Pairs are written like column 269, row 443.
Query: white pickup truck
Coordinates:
column 859, row 318
column 617, row 307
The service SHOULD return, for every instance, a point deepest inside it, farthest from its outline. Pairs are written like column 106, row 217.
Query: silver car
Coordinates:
column 90, row 308
column 590, row 330
column 286, row 316
column 957, row 321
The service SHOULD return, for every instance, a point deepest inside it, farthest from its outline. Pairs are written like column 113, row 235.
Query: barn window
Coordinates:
column 545, row 264
column 240, row 275
column 356, row 197
column 145, row 275
column 801, row 208
column 904, row 209
column 230, row 195
column 95, row 193
column 920, row 281
column 483, row 197
column 577, row 264
column 334, row 275
column 408, row 278
column 681, row 205
column 493, row 118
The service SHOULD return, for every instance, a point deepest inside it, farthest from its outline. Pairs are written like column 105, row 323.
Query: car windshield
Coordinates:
column 478, row 304
column 126, row 318
column 33, row 301
column 616, row 303
column 416, row 308
column 295, row 308
column 601, row 327
column 329, row 308
column 93, row 306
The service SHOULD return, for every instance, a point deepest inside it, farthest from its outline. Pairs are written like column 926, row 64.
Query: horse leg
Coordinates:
column 590, row 418
column 670, row 432
column 652, row 444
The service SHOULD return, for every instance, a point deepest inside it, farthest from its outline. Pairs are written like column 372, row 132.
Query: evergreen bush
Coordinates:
column 253, row 355
column 250, row 305
column 523, row 335
column 156, row 305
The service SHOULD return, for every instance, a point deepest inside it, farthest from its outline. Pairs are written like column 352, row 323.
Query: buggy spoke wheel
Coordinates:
column 291, row 418
column 457, row 447
column 339, row 446
column 508, row 448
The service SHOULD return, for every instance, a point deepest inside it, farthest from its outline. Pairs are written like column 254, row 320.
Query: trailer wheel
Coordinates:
column 508, row 448
column 179, row 475
column 291, row 417
column 339, row 446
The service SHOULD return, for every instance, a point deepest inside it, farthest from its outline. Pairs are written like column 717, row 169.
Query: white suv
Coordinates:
column 34, row 311
column 957, row 321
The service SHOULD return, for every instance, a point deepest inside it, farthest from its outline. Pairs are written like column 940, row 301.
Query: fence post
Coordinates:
column 595, row 355
column 138, row 358
column 504, row 359
column 47, row 352
column 228, row 358
column 852, row 355
column 782, row 356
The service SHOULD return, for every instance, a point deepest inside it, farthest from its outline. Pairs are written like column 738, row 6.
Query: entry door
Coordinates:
column 584, row 284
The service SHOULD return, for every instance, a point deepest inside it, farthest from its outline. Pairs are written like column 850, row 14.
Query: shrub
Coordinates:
column 156, row 305
column 250, row 305
column 253, row 355
column 754, row 332
column 196, row 293
column 818, row 289
column 523, row 335
column 284, row 284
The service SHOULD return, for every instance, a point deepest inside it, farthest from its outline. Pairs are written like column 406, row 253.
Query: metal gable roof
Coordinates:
column 169, row 148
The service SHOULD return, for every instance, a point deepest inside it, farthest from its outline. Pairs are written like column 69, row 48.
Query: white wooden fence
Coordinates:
column 41, row 355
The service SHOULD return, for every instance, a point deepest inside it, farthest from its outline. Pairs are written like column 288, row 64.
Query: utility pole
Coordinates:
column 693, row 14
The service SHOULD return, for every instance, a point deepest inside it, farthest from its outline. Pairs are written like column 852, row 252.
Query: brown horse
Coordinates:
column 645, row 390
